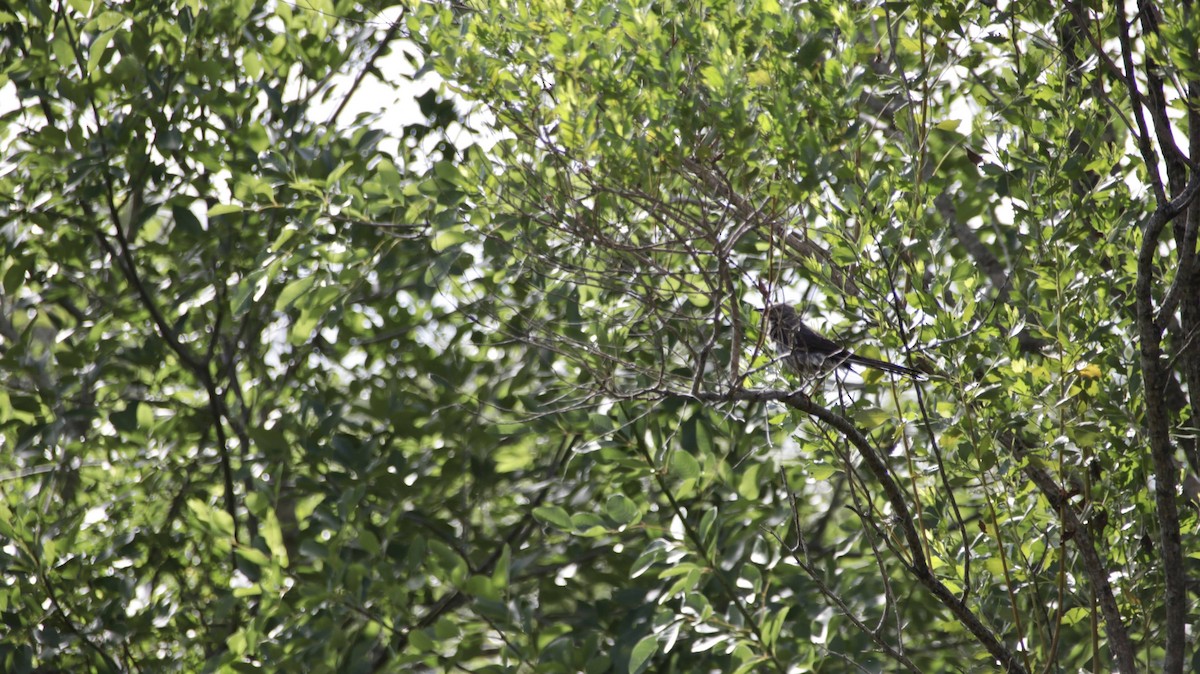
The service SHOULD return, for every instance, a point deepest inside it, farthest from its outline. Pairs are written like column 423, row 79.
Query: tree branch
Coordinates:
column 1162, row 450
column 895, row 497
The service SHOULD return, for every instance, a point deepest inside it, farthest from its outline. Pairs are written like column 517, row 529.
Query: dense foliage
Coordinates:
column 288, row 387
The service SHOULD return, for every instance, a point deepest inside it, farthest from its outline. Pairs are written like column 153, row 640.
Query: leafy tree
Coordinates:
column 291, row 390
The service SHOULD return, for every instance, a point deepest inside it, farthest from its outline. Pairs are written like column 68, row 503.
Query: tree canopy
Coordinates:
column 289, row 385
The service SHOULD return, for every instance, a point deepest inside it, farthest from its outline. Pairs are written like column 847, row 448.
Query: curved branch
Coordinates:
column 895, row 497
column 1139, row 116
column 1162, row 450
column 1114, row 626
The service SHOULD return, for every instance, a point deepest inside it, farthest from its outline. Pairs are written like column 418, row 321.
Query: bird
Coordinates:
column 807, row 353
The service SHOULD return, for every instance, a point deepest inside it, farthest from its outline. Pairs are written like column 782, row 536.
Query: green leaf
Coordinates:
column 683, row 466
column 186, row 221
column 681, row 569
column 421, row 642
column 447, row 171
column 500, row 573
column 447, row 238
column 256, row 137
column 588, row 524
column 14, row 278
column 257, row 503
column 1074, row 615
column 512, row 458
column 223, row 209
column 555, row 516
column 873, row 417
column 713, row 78
column 652, row 555
column 237, row 643
column 621, row 509
column 273, row 535
column 750, row 665
column 313, row 308
column 445, row 629
column 254, row 590
column 96, row 50
column 305, row 507
column 368, row 541
column 706, row 525
column 253, row 555
column 639, row 657
column 773, row 626
column 293, row 290
column 108, row 19
column 748, row 487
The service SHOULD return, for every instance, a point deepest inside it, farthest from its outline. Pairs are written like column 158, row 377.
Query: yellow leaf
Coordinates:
column 759, row 78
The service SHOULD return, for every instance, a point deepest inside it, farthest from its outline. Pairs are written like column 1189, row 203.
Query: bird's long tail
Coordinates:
column 885, row 366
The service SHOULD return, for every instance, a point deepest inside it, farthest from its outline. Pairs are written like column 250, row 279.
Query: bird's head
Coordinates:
column 780, row 313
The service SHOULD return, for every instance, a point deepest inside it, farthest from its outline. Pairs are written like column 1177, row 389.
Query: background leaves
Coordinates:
column 293, row 387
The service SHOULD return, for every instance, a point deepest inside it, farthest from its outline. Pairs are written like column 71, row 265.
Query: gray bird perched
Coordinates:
column 807, row 353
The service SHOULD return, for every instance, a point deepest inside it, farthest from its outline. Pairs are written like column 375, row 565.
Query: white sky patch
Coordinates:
column 94, row 515
column 8, row 101
column 392, row 102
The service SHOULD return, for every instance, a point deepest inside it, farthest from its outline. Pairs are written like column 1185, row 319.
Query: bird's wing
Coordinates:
column 814, row 342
